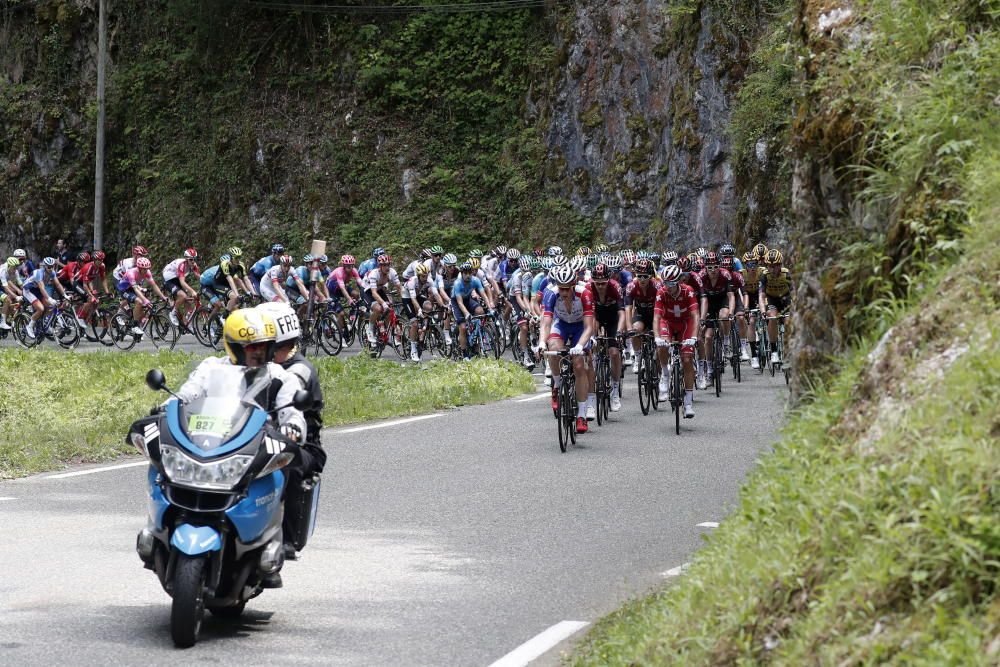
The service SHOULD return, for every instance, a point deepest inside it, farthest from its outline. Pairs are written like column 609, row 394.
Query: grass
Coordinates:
column 58, row 409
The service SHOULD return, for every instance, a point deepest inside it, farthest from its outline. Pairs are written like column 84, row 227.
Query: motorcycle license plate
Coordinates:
column 208, row 424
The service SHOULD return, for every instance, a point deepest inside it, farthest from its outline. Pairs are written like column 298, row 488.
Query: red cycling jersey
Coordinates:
column 636, row 296
column 91, row 272
column 693, row 280
column 613, row 297
column 720, row 287
column 69, row 272
column 675, row 313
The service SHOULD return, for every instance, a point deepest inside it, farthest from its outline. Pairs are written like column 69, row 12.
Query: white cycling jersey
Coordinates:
column 123, row 266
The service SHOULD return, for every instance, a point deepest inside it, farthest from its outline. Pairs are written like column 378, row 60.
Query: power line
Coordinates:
column 445, row 8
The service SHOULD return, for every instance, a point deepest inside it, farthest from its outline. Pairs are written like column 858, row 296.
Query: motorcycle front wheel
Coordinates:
column 188, row 608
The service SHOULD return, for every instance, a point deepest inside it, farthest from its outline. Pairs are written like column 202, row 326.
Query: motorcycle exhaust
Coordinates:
column 272, row 557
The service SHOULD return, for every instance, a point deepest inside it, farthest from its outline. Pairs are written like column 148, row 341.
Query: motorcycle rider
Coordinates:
column 312, row 456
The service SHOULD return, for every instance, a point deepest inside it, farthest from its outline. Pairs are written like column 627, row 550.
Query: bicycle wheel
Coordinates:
column 490, row 341
column 20, row 325
column 599, row 389
column 99, row 324
column 397, row 339
column 654, row 381
column 676, row 393
column 199, row 326
column 328, row 333
column 121, row 332
column 574, row 409
column 66, row 331
column 161, row 331
column 567, row 424
column 643, row 394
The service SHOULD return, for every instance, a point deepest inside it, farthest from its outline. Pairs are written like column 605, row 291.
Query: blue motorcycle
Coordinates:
column 216, row 490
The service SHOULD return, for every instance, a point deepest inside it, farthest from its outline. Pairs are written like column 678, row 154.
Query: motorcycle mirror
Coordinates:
column 155, row 380
column 301, row 400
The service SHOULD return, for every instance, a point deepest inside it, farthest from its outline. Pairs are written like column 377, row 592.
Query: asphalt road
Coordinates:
column 449, row 540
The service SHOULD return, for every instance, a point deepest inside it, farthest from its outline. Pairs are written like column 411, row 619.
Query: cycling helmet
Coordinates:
column 308, row 257
column 642, row 254
column 425, row 253
column 669, row 257
column 727, row 250
column 536, row 264
column 235, row 251
column 476, row 252
column 286, row 322
column 699, row 263
column 643, row 267
column 466, row 266
column 614, row 262
column 655, row 256
column 582, row 251
column 20, row 254
column 98, row 256
column 759, row 251
column 773, row 256
column 701, row 252
column 248, row 326
column 323, row 259
column 513, row 253
column 348, row 260
column 591, row 261
column 684, row 264
column 601, row 272
column 727, row 262
column 749, row 257
column 140, row 250
column 13, row 262
column 578, row 263
column 555, row 251
column 449, row 259
column 602, row 248
column 421, row 269
column 225, row 257
column 628, row 257
column 277, row 249
column 711, row 259
column 436, row 250
column 559, row 260
column 83, row 257
column 563, row 275
column 693, row 258
column 539, row 252
column 377, row 251
column 190, row 253
column 500, row 250
column 526, row 263
column 546, row 263
column 672, row 273
column 474, row 263
column 285, row 260
column 141, row 263
column 383, row 258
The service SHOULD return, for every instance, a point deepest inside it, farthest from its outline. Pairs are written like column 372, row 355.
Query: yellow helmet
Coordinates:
column 773, row 256
column 759, row 251
column 474, row 261
column 247, row 326
column 421, row 269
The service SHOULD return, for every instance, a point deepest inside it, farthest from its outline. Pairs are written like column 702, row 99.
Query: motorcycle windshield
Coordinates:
column 211, row 419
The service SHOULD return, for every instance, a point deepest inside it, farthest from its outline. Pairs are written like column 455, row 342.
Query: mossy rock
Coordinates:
column 593, row 116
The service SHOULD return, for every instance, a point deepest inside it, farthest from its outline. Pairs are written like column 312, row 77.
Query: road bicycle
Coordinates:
column 483, row 336
column 58, row 324
column 566, row 412
column 675, row 382
column 734, row 350
column 388, row 331
column 602, row 377
column 649, row 373
column 718, row 360
column 760, row 326
column 156, row 326
column 429, row 334
column 780, row 364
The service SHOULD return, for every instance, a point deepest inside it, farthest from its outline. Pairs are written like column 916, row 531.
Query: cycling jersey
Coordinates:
column 775, row 285
column 490, row 266
column 177, row 269
column 638, row 297
column 262, row 266
column 752, row 278
column 722, row 285
column 414, row 288
column 91, row 272
column 693, row 280
column 339, row 276
column 69, row 272
column 676, row 309
column 519, row 283
column 556, row 307
column 625, row 278
column 302, row 272
column 613, row 297
column 367, row 266
column 739, row 282
column 119, row 273
column 536, row 282
column 8, row 276
column 35, row 284
column 411, row 269
column 376, row 279
column 446, row 283
column 466, row 289
column 132, row 277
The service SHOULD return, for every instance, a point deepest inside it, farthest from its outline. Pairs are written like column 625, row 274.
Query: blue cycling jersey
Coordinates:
column 367, row 266
column 465, row 289
column 260, row 267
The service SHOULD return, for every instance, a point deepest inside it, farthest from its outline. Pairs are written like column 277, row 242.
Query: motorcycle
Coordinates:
column 216, row 489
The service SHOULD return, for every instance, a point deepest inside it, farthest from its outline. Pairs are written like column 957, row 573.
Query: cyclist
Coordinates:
column 300, row 278
column 128, row 263
column 411, row 268
column 12, row 283
column 131, row 287
column 444, row 284
column 263, row 265
column 342, row 285
column 675, row 318
column 728, row 250
column 175, row 282
column 68, row 272
column 376, row 291
column 463, row 299
column 740, row 297
column 26, row 266
column 751, row 278
column 90, row 273
column 568, row 319
column 609, row 314
column 418, row 293
column 225, row 280
column 775, row 295
column 718, row 300
column 372, row 262
column 519, row 298
column 271, row 284
column 640, row 297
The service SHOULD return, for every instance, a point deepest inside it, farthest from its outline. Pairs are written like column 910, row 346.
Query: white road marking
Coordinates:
column 7, row 498
column 708, row 524
column 91, row 471
column 394, row 422
column 539, row 644
column 676, row 571
column 542, row 394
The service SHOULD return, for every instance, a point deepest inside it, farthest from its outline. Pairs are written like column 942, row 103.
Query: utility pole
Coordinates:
column 102, row 54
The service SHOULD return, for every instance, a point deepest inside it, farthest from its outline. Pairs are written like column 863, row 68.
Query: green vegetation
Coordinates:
column 872, row 533
column 75, row 408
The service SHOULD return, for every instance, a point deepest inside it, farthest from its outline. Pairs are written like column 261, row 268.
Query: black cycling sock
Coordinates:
column 753, row 348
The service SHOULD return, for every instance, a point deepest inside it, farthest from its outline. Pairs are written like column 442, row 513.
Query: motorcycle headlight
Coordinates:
column 219, row 475
column 140, row 443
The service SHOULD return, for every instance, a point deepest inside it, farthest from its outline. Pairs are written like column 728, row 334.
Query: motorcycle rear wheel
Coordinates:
column 188, row 608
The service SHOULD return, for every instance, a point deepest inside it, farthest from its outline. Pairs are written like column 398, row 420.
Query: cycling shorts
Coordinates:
column 714, row 306
column 607, row 320
column 678, row 331
column 173, row 286
column 370, row 299
column 470, row 304
column 213, row 296
column 644, row 315
column 411, row 312
column 266, row 291
column 568, row 332
column 780, row 302
column 32, row 294
column 753, row 299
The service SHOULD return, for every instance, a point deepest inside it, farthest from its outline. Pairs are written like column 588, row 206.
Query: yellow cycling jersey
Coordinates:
column 752, row 278
column 779, row 285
